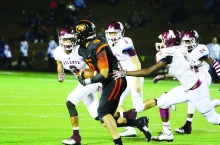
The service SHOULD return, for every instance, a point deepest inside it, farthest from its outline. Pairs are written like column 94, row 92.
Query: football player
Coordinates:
column 172, row 54
column 66, row 56
column 123, row 49
column 98, row 56
column 201, row 61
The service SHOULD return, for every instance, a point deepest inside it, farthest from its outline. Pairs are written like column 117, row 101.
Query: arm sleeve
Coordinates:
column 167, row 59
column 102, row 62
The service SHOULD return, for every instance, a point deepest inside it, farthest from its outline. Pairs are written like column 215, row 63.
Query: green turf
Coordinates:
column 33, row 112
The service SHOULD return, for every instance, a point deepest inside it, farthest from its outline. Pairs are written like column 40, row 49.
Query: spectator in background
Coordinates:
column 178, row 15
column 2, row 48
column 52, row 45
column 23, row 53
column 143, row 19
column 42, row 33
column 214, row 51
column 61, row 7
column 31, row 33
column 209, row 4
column 113, row 2
column 216, row 12
column 80, row 4
column 39, row 20
column 31, row 19
column 90, row 16
column 53, row 5
column 7, row 54
column 133, row 20
column 71, row 15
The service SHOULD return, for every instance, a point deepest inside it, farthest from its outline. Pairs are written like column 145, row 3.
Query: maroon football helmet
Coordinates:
column 116, row 27
column 65, row 33
column 190, row 39
column 169, row 38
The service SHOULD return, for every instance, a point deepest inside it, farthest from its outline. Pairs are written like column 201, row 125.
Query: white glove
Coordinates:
column 118, row 74
column 159, row 77
column 61, row 77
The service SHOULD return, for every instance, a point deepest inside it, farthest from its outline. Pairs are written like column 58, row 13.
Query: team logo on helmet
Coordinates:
column 81, row 28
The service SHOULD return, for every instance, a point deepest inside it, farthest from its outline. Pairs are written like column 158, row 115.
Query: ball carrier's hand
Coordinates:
column 84, row 81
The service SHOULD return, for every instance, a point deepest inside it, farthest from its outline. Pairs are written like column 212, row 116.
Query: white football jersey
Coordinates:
column 123, row 44
column 70, row 61
column 197, row 53
column 179, row 67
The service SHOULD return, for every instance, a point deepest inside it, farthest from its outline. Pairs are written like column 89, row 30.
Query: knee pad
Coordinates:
column 160, row 101
column 72, row 109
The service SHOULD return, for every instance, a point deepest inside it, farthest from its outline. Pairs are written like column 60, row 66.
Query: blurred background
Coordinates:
column 39, row 21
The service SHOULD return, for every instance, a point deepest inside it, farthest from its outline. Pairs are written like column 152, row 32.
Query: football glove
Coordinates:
column 84, row 81
column 159, row 77
column 118, row 74
column 61, row 77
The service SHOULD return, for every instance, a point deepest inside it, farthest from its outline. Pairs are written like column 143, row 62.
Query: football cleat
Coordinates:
column 163, row 137
column 72, row 140
column 143, row 127
column 129, row 132
column 186, row 129
column 182, row 130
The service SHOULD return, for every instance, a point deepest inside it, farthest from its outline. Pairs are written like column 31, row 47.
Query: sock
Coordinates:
column 164, row 113
column 189, row 119
column 188, row 123
column 130, row 114
column 118, row 141
column 131, row 122
column 76, row 136
column 167, row 128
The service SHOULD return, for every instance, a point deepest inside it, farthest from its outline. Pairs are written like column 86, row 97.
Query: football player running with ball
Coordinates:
column 66, row 56
column 98, row 55
column 173, row 55
column 123, row 49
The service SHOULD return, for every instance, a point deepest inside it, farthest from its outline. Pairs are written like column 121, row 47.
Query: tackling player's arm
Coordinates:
column 213, row 63
column 147, row 71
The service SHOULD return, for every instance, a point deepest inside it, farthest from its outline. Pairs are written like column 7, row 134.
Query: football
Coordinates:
column 88, row 73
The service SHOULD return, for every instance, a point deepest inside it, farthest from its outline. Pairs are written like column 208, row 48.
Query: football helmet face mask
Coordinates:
column 83, row 31
column 117, row 28
column 169, row 38
column 66, row 39
column 190, row 39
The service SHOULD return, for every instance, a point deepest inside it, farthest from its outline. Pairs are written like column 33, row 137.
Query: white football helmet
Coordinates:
column 65, row 33
column 169, row 38
column 116, row 27
column 190, row 39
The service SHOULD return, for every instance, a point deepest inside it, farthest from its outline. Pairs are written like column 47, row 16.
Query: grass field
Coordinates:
column 33, row 112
